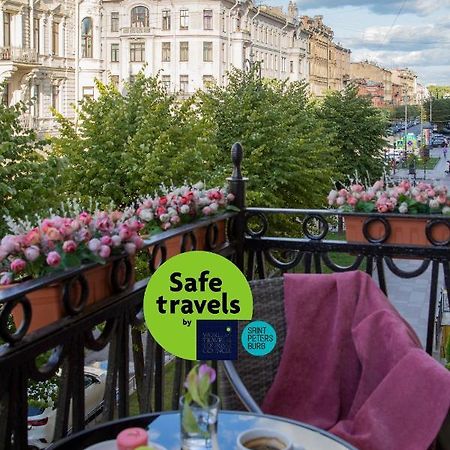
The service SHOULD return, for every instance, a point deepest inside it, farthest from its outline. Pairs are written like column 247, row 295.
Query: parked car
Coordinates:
column 438, row 141
column 41, row 421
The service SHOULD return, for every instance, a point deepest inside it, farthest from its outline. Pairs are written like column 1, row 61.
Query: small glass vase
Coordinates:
column 198, row 424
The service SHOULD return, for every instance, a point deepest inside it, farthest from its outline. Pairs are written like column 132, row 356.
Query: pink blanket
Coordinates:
column 353, row 366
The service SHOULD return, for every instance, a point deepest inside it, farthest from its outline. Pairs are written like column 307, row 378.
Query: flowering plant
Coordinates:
column 402, row 197
column 64, row 242
column 179, row 205
column 198, row 384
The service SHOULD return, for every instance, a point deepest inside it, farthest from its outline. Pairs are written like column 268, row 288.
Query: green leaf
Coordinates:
column 189, row 421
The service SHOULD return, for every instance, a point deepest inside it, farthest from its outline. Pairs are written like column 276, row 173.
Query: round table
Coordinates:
column 164, row 429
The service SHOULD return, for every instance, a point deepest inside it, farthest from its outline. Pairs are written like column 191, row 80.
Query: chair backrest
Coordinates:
column 257, row 373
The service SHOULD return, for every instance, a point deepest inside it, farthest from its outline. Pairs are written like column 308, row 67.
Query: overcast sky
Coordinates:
column 396, row 33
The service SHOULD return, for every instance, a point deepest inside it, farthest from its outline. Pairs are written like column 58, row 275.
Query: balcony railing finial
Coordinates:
column 237, row 153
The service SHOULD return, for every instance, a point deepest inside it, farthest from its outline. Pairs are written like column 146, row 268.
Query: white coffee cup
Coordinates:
column 259, row 433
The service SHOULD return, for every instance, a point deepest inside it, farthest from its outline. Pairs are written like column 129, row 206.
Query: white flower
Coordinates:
column 184, row 209
column 146, row 215
column 198, row 185
column 403, row 208
column 434, row 204
column 446, row 210
column 164, row 218
column 214, row 207
column 172, row 212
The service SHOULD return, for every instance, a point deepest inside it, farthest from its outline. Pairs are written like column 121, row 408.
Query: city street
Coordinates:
column 410, row 296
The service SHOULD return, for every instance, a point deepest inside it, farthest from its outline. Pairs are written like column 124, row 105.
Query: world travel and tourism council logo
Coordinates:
column 193, row 303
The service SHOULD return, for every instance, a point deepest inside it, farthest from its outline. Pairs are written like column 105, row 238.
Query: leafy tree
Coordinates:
column 439, row 91
column 440, row 110
column 127, row 145
column 398, row 112
column 26, row 175
column 287, row 157
column 357, row 129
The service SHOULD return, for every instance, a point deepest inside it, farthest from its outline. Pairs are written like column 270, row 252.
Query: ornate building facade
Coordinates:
column 329, row 63
column 190, row 43
column 37, row 58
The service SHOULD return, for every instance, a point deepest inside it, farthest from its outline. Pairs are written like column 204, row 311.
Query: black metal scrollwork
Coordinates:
column 284, row 265
column 264, row 224
column 384, row 237
column 403, row 273
column 121, row 274
column 337, row 268
column 153, row 257
column 429, row 231
column 73, row 305
column 103, row 339
column 323, row 226
column 211, row 236
column 188, row 237
column 5, row 314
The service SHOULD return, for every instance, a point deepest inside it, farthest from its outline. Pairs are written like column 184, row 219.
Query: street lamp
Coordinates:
column 249, row 64
column 405, row 101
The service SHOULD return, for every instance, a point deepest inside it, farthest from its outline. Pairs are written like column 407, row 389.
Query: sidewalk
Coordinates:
column 411, row 296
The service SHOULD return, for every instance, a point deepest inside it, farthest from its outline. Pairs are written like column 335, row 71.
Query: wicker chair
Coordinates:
column 245, row 382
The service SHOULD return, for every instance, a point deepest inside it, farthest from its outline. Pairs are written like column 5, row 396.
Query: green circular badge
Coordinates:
column 192, row 304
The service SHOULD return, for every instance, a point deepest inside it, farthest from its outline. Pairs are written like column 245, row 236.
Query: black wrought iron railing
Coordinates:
column 254, row 244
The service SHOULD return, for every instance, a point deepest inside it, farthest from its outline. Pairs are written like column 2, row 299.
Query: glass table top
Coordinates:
column 164, row 429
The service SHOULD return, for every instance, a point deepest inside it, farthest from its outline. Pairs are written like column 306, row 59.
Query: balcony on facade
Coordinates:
column 18, row 55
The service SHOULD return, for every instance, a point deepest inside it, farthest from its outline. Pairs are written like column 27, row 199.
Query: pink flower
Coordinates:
column 69, row 246
column 105, row 251
column 75, row 225
column 103, row 223
column 378, row 185
column 94, row 245
column 366, row 197
column 53, row 259
column 33, row 237
column 116, row 215
column 431, row 193
column 18, row 265
column 343, row 193
column 124, row 232
column 205, row 370
column 66, row 230
column 175, row 219
column 147, row 203
column 106, row 240
column 442, row 199
column 9, row 244
column 116, row 241
column 3, row 253
column 206, row 211
column 6, row 278
column 46, row 224
column 53, row 234
column 356, row 188
column 84, row 235
column 130, row 248
column 340, row 201
column 32, row 253
column 138, row 242
column 85, row 218
column 230, row 197
column 165, row 226
column 332, row 196
column 352, row 201
column 382, row 208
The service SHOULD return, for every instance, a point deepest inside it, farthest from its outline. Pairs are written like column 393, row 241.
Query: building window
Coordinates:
column 88, row 91
column 283, row 64
column 291, row 66
column 276, row 62
column 86, row 38
column 6, row 29
column 166, row 82
column 184, row 83
column 137, row 51
column 139, row 17
column 115, row 80
column 207, row 19
column 5, row 96
column 114, row 52
column 207, row 51
column 55, row 38
column 55, row 97
column 208, row 80
column 184, row 19
column 37, row 101
column 165, row 52
column 222, row 19
column 166, row 19
column 184, row 51
column 223, row 52
column 36, row 33
column 114, row 21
